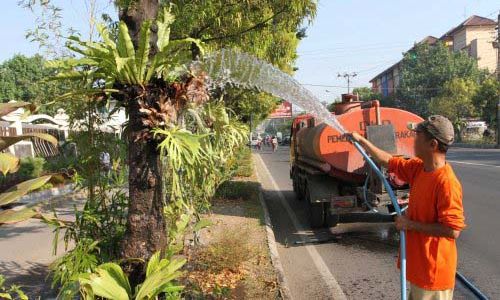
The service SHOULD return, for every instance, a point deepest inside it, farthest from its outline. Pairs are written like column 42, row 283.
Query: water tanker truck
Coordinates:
column 331, row 175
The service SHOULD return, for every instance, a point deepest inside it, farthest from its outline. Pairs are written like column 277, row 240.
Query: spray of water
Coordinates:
column 229, row 67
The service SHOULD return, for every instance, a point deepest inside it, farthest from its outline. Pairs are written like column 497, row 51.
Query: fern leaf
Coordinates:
column 142, row 54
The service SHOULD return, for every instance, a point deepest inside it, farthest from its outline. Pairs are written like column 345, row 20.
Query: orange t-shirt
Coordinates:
column 435, row 197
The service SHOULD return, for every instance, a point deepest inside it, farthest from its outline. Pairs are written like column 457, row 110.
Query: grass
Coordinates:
column 243, row 162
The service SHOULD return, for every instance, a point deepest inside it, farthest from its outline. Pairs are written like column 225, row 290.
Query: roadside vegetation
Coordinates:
column 232, row 260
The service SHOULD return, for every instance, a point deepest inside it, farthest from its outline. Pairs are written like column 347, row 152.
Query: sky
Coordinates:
column 358, row 36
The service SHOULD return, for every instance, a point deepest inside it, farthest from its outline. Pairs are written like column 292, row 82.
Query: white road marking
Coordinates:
column 320, row 264
column 473, row 164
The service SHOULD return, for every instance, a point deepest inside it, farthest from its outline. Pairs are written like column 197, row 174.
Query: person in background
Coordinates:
column 435, row 214
column 105, row 160
column 274, row 142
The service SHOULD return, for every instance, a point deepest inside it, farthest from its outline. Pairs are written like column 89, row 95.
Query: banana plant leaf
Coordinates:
column 161, row 278
column 8, row 163
column 21, row 189
column 7, row 108
column 110, row 282
column 7, row 141
column 11, row 216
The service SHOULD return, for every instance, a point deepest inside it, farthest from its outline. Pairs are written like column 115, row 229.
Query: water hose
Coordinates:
column 394, row 200
column 373, row 209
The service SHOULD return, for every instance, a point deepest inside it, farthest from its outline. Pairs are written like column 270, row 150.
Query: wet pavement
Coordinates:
column 360, row 257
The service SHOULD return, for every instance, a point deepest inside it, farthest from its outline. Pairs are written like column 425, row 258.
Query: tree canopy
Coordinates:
column 486, row 100
column 22, row 79
column 366, row 94
column 424, row 71
column 455, row 101
column 268, row 29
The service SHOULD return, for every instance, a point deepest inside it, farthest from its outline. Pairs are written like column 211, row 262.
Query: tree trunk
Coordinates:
column 146, row 227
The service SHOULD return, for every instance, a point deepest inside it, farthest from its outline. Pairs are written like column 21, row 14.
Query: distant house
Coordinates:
column 474, row 35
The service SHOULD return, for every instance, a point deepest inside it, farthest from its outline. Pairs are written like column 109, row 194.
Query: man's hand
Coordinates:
column 402, row 223
column 354, row 136
column 433, row 229
column 379, row 155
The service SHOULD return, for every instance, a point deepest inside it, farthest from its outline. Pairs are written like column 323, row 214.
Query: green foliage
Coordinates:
column 425, row 70
column 366, row 94
column 11, row 292
column 110, row 282
column 196, row 158
column 268, row 29
column 118, row 61
column 67, row 269
column 10, row 164
column 241, row 162
column 250, row 105
column 486, row 100
column 60, row 163
column 455, row 101
column 23, row 79
column 31, row 167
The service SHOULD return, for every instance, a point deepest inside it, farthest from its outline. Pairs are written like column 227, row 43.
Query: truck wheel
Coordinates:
column 294, row 183
column 316, row 212
column 332, row 219
column 316, row 215
column 297, row 187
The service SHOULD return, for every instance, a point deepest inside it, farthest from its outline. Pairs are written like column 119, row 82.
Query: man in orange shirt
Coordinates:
column 434, row 217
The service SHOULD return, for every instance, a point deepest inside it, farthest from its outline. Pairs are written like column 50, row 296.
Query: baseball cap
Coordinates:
column 437, row 126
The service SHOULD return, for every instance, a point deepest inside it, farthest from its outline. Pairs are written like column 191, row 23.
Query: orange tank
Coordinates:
column 325, row 144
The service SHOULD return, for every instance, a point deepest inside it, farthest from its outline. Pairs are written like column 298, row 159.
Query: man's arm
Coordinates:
column 378, row 154
column 434, row 229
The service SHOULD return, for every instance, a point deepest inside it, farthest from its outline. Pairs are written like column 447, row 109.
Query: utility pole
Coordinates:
column 348, row 77
column 497, row 45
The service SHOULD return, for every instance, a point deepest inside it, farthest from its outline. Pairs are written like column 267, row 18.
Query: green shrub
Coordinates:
column 242, row 162
column 31, row 167
column 233, row 189
column 60, row 163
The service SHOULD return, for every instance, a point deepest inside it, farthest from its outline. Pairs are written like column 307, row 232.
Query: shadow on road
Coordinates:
column 13, row 231
column 32, row 277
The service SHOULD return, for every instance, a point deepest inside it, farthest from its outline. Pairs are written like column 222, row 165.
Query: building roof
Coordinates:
column 471, row 21
column 431, row 40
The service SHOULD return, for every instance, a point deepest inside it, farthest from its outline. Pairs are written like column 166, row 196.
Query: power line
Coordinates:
column 394, row 88
column 351, row 46
column 351, row 50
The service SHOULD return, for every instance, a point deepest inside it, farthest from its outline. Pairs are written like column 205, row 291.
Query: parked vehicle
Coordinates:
column 330, row 174
column 285, row 141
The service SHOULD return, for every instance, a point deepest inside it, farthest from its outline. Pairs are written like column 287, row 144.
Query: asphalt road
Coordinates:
column 357, row 261
column 479, row 245
column 26, row 249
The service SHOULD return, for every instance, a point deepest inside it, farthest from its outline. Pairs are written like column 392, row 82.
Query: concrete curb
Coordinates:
column 35, row 197
column 273, row 250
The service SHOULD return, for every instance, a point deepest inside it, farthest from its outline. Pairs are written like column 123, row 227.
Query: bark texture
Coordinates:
column 146, row 228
